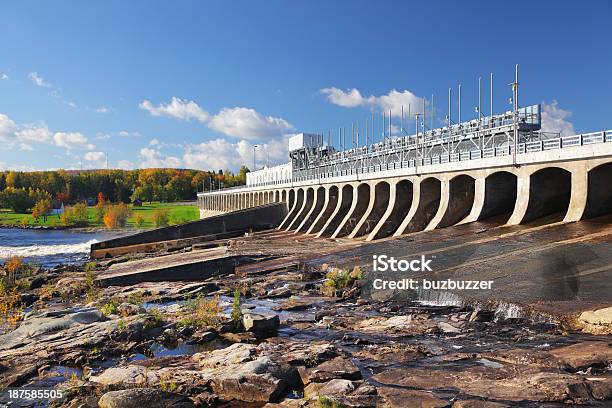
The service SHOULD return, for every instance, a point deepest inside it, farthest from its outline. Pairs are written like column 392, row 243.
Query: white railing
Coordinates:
column 527, row 147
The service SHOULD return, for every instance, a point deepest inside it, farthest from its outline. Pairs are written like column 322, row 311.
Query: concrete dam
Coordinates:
column 502, row 167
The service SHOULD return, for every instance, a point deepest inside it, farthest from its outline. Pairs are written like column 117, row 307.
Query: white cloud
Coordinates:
column 154, row 158
column 393, row 101
column 248, row 124
column 7, row 129
column 177, row 108
column 38, row 80
column 94, row 156
column 34, row 133
column 71, row 104
column 4, row 77
column 102, row 109
column 25, row 146
column 71, row 140
column 239, row 122
column 124, row 133
column 349, row 98
column 154, row 142
column 222, row 154
column 555, row 119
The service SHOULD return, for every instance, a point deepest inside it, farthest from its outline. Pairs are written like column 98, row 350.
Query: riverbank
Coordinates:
column 141, row 218
column 293, row 333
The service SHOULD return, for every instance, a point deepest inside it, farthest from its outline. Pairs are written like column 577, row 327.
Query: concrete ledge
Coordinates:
column 258, row 218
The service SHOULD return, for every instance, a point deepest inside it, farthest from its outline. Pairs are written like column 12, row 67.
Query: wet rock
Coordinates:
column 338, row 367
column 448, row 328
column 398, row 398
column 129, row 309
column 28, row 298
column 601, row 388
column 478, row 404
column 333, row 387
column 295, row 304
column 262, row 325
column 246, row 337
column 203, row 336
column 482, row 315
column 494, row 383
column 279, row 292
column 37, row 282
column 580, row 356
column 143, row 397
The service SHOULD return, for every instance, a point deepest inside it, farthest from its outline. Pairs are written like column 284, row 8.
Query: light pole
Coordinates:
column 254, row 148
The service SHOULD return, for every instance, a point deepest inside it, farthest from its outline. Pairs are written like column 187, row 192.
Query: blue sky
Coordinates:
column 196, row 84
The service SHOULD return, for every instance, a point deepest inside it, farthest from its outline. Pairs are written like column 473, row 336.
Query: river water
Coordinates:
column 48, row 248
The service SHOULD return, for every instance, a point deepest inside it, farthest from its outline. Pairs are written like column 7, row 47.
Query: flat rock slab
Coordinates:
column 188, row 266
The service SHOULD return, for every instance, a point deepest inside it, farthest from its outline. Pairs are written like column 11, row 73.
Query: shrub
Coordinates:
column 116, row 215
column 110, row 307
column 10, row 307
column 161, row 217
column 90, row 285
column 42, row 209
column 139, row 220
column 236, row 311
column 204, row 312
column 75, row 216
column 14, row 269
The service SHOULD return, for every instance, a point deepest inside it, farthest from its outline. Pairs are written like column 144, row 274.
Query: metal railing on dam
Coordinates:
column 566, row 178
column 391, row 158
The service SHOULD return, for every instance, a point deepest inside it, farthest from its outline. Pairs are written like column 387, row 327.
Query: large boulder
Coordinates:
column 260, row 324
column 581, row 356
column 144, row 397
column 130, row 375
column 49, row 322
column 338, row 367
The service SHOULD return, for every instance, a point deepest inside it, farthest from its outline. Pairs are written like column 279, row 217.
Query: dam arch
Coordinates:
column 402, row 202
column 301, row 214
column 345, row 203
column 460, row 200
column 500, row 196
column 377, row 208
column 314, row 211
column 332, row 202
column 357, row 211
column 599, row 191
column 429, row 202
column 549, row 193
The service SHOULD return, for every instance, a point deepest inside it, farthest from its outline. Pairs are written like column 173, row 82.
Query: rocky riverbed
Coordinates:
column 286, row 338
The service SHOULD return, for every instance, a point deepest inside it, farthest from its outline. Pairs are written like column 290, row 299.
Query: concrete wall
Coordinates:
column 259, row 218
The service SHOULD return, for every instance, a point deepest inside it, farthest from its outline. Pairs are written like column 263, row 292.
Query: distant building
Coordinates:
column 57, row 208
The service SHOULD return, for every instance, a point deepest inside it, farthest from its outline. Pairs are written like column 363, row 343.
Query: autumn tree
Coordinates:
column 41, row 209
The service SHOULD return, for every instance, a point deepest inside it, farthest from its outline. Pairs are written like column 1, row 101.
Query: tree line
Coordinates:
column 21, row 191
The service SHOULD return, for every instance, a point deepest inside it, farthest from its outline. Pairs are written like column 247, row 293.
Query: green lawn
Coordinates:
column 178, row 214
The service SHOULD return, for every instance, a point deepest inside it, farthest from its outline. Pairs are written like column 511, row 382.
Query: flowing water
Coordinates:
column 48, row 248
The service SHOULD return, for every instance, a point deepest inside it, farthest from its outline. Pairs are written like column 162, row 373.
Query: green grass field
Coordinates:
column 178, row 214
